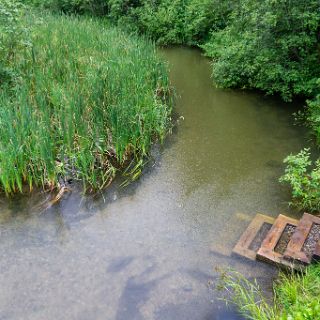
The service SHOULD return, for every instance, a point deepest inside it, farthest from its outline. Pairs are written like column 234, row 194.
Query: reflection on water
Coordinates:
column 150, row 251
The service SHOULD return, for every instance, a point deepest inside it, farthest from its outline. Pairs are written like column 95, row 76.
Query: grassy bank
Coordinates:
column 78, row 99
column 296, row 296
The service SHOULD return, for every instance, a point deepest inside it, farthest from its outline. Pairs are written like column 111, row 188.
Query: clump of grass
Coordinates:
column 247, row 296
column 86, row 100
column 296, row 296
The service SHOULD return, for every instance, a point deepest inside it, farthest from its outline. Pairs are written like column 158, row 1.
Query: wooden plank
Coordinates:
column 294, row 249
column 242, row 248
column 267, row 252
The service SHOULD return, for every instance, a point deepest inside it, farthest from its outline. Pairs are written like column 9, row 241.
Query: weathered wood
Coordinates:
column 242, row 248
column 288, row 243
column 294, row 249
column 267, row 250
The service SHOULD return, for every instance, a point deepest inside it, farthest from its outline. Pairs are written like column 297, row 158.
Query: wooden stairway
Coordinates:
column 283, row 241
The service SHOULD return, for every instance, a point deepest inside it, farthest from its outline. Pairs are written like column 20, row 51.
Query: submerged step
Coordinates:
column 252, row 238
column 303, row 243
column 276, row 241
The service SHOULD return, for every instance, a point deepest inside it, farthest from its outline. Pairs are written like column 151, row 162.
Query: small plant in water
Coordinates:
column 303, row 180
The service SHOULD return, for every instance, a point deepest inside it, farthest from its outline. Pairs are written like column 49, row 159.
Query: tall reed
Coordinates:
column 84, row 101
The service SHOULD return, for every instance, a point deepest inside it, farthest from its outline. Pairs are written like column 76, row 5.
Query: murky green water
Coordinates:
column 150, row 251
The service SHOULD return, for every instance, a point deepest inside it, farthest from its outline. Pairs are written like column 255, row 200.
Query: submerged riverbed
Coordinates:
column 150, row 251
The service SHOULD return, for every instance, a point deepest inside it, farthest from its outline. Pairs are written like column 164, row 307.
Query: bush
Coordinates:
column 202, row 17
column 94, row 7
column 305, row 183
column 270, row 45
column 165, row 21
column 172, row 21
column 13, row 34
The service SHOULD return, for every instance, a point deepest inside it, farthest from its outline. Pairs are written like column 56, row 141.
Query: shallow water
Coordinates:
column 150, row 251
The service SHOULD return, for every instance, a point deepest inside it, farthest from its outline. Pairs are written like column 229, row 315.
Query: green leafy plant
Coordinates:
column 303, row 180
column 14, row 36
column 271, row 45
column 93, row 7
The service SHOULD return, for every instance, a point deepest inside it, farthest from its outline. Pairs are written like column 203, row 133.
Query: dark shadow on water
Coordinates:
column 119, row 264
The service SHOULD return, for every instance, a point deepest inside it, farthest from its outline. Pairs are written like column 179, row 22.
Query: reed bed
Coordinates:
column 85, row 101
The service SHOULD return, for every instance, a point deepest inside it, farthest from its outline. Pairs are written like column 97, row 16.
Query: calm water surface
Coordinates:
column 150, row 251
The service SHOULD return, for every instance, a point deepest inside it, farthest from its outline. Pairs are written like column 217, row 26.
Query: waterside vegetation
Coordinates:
column 269, row 45
column 79, row 99
column 272, row 46
column 296, row 296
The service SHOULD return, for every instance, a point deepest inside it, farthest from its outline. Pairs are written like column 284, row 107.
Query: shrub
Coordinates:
column 304, row 183
column 270, row 45
column 94, row 7
column 172, row 21
column 13, row 34
column 202, row 17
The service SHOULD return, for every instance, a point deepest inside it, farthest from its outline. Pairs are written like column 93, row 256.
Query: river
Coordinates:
column 150, row 251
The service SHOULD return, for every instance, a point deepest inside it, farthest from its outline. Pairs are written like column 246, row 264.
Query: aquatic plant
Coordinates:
column 86, row 100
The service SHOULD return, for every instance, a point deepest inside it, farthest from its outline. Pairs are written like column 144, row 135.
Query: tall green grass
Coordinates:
column 84, row 100
column 296, row 296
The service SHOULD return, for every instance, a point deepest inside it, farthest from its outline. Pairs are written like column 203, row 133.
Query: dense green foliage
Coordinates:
column 13, row 35
column 172, row 21
column 269, row 45
column 166, row 21
column 296, row 296
column 79, row 98
column 94, row 7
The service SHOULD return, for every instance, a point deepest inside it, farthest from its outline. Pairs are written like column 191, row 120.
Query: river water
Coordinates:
column 150, row 251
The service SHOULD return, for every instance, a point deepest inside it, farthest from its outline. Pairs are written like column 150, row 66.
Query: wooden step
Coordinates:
column 303, row 242
column 252, row 238
column 273, row 246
